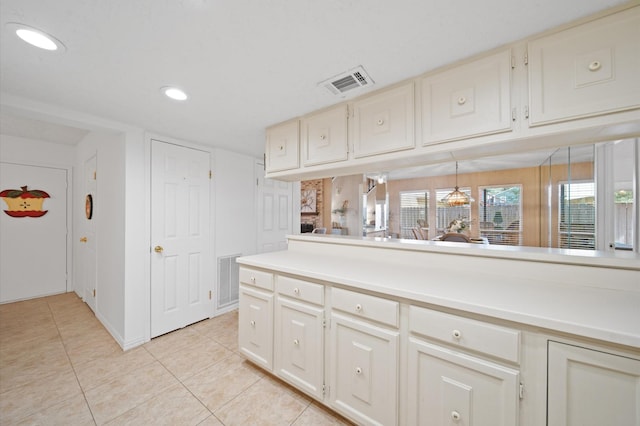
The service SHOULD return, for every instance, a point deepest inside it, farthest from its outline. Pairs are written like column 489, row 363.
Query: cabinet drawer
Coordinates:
column 256, row 278
column 301, row 290
column 363, row 305
column 500, row 342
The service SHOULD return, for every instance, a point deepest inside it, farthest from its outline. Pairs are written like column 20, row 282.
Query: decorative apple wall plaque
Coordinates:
column 88, row 206
column 24, row 202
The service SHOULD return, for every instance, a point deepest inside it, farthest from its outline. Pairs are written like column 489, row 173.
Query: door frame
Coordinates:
column 147, row 219
column 69, row 215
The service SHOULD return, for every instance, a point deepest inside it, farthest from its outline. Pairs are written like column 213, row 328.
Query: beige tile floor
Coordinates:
column 58, row 365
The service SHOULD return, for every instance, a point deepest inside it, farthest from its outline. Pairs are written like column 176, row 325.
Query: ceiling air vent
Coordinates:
column 347, row 81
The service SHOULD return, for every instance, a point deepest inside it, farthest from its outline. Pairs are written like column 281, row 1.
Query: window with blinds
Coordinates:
column 500, row 214
column 445, row 214
column 577, row 215
column 414, row 212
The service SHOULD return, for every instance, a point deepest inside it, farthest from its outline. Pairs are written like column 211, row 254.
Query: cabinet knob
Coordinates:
column 281, row 147
column 380, row 122
column 358, row 308
column 158, row 249
column 253, row 323
column 296, row 290
column 455, row 416
column 296, row 342
column 322, row 137
column 456, row 334
column 462, row 100
column 253, row 279
column 83, row 239
column 595, row 66
column 358, row 370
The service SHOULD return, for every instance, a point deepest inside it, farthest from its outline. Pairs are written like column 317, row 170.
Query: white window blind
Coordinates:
column 414, row 212
column 577, row 216
column 500, row 214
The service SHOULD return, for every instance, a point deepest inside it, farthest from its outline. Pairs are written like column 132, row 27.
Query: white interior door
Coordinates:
column 88, row 247
column 275, row 212
column 181, row 278
column 33, row 247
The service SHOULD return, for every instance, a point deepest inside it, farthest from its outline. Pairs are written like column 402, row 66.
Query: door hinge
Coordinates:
column 95, row 174
column 513, row 62
column 94, row 292
column 513, row 114
column 521, row 391
column 326, row 323
column 526, row 112
column 210, row 174
column 264, row 162
column 257, row 182
column 209, row 294
column 526, row 57
column 325, row 390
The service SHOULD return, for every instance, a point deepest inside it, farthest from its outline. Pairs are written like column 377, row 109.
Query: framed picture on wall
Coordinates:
column 308, row 201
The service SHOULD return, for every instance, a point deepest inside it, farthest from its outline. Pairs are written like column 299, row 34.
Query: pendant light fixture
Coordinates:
column 456, row 197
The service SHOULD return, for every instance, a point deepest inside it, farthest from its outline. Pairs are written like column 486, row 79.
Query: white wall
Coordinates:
column 109, row 216
column 235, row 210
column 36, row 152
column 347, row 188
column 136, row 242
column 43, row 153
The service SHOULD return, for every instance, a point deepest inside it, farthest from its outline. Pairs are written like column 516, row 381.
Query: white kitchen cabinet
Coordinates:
column 299, row 334
column 283, row 147
column 447, row 387
column 364, row 358
column 473, row 99
column 591, row 388
column 384, row 122
column 587, row 70
column 324, row 136
column 255, row 317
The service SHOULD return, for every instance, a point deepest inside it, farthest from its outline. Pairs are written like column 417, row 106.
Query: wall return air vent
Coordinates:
column 350, row 80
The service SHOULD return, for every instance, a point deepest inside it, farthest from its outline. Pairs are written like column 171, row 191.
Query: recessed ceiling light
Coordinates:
column 174, row 93
column 36, row 37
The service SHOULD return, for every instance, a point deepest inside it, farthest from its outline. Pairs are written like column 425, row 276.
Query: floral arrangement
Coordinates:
column 458, row 225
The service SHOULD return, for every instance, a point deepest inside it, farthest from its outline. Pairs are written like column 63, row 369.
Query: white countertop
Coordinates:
column 599, row 313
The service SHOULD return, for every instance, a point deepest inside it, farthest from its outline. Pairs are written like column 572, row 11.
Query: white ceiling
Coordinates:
column 246, row 64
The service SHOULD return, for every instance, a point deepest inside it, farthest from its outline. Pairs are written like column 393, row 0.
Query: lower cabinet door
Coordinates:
column 299, row 345
column 592, row 388
column 255, row 326
column 364, row 371
column 452, row 388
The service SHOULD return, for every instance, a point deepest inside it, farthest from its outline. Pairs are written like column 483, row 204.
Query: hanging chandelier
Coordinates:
column 456, row 197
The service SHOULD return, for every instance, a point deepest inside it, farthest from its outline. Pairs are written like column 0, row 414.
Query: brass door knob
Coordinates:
column 83, row 239
column 158, row 249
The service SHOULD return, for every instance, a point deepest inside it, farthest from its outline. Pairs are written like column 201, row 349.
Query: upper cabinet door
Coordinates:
column 282, row 147
column 384, row 122
column 324, row 136
column 588, row 70
column 470, row 100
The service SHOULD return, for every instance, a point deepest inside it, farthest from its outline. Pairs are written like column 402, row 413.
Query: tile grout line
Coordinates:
column 73, row 368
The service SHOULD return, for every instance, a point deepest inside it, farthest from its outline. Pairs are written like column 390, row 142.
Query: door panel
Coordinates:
column 33, row 260
column 275, row 204
column 180, row 273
